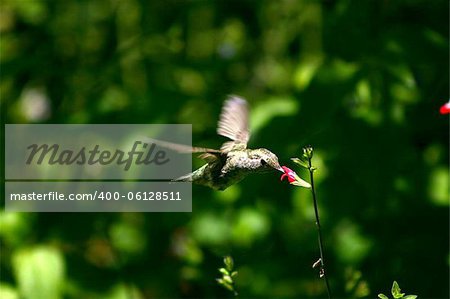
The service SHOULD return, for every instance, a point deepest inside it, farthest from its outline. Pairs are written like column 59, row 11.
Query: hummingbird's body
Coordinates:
column 233, row 161
column 230, row 168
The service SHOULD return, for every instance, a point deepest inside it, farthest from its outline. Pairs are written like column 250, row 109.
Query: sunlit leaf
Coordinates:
column 210, row 229
column 128, row 238
column 438, row 188
column 306, row 71
column 39, row 272
column 352, row 245
column 262, row 114
column 396, row 291
column 250, row 225
column 8, row 292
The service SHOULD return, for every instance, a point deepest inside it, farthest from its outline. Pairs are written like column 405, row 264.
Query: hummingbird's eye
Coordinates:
column 263, row 162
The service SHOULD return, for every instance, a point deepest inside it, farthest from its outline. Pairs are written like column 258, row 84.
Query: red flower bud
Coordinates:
column 445, row 109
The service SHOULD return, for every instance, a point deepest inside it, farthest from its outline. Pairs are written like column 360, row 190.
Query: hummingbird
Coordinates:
column 233, row 161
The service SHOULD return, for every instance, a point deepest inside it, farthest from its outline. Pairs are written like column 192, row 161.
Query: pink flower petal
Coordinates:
column 289, row 173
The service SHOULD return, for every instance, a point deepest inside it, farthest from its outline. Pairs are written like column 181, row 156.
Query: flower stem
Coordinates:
column 319, row 230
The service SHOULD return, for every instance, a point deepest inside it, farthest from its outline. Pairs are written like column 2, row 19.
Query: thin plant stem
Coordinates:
column 319, row 230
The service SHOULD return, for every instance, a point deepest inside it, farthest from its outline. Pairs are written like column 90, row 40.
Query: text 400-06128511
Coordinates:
column 164, row 195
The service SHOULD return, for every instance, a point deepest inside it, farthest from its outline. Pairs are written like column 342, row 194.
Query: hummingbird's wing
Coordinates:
column 208, row 154
column 233, row 123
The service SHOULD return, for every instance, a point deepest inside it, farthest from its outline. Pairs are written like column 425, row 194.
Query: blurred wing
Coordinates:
column 233, row 123
column 208, row 154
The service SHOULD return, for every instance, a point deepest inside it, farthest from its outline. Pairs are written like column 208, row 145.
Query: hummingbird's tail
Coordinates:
column 184, row 178
column 194, row 177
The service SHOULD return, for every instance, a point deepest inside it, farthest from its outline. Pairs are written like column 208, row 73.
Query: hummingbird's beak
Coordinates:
column 279, row 168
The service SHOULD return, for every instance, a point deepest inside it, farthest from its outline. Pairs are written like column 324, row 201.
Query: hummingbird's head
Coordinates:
column 265, row 160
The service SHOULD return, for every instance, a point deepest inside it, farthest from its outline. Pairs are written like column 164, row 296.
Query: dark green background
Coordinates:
column 362, row 81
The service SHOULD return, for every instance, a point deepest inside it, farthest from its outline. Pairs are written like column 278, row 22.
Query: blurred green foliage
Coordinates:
column 360, row 80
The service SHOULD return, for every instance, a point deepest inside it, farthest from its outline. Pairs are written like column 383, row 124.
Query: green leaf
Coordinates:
column 229, row 287
column 228, row 261
column 300, row 162
column 223, row 271
column 227, row 279
column 383, row 296
column 396, row 291
column 410, row 297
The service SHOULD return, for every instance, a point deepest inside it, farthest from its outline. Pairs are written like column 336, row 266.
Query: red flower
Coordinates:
column 293, row 178
column 445, row 109
column 289, row 173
